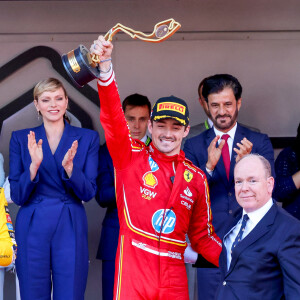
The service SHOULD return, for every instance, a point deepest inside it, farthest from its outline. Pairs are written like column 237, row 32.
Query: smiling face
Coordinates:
column 52, row 105
column 253, row 187
column 137, row 118
column 167, row 135
column 223, row 108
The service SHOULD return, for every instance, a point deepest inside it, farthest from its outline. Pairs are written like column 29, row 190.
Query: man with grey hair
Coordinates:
column 260, row 258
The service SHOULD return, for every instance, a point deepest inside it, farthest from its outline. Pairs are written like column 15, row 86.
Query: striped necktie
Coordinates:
column 240, row 234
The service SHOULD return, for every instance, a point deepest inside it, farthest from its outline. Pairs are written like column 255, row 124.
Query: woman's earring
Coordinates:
column 38, row 115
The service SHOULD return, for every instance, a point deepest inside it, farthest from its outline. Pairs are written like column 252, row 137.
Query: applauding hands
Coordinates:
column 36, row 153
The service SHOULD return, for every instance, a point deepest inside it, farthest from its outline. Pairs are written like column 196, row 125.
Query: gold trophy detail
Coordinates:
column 82, row 67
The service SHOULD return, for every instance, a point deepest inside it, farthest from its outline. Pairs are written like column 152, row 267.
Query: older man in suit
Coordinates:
column 260, row 258
column 216, row 151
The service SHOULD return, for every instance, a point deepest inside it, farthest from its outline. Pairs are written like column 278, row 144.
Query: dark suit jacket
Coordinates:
column 222, row 196
column 266, row 263
column 106, row 198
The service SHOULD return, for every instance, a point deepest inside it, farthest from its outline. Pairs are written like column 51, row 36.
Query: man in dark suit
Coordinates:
column 260, row 258
column 223, row 93
column 137, row 110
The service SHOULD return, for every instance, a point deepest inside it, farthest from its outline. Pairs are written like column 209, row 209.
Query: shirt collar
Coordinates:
column 257, row 215
column 210, row 122
column 231, row 132
column 144, row 139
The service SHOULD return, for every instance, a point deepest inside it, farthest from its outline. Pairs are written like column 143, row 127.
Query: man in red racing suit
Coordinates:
column 160, row 199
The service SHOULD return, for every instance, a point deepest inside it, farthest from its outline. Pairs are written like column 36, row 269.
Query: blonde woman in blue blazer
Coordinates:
column 53, row 168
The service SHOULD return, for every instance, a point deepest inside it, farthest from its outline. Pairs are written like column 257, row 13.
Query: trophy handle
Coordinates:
column 162, row 31
column 82, row 67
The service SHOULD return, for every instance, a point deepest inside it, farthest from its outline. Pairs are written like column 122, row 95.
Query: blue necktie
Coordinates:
column 240, row 234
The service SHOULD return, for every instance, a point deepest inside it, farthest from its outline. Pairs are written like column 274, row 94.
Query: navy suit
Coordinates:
column 222, row 195
column 108, row 245
column 266, row 263
column 51, row 225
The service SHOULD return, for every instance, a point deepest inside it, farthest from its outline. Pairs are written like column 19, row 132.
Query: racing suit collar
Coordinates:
column 161, row 156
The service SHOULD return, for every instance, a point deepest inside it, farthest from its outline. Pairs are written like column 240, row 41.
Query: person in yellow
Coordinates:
column 8, row 244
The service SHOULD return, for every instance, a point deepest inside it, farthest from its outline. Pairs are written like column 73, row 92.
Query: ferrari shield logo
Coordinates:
column 188, row 176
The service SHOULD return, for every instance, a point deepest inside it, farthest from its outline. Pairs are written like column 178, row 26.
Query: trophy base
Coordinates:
column 79, row 66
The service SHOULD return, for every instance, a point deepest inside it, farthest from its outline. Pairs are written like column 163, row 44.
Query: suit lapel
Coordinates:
column 239, row 135
column 52, row 163
column 263, row 226
column 68, row 137
column 220, row 168
column 48, row 164
column 232, row 223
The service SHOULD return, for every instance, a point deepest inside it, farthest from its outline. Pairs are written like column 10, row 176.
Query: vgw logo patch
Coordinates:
column 169, row 222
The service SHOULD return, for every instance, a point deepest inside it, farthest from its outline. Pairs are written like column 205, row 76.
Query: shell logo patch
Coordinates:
column 188, row 176
column 150, row 180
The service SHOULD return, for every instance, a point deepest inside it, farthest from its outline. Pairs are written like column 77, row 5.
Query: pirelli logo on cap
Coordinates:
column 171, row 106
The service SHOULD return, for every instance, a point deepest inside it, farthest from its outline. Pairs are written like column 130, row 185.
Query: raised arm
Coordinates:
column 118, row 139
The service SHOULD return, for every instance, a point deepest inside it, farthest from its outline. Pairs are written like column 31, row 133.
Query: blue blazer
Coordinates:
column 52, row 191
column 106, row 198
column 266, row 263
column 51, row 178
column 222, row 196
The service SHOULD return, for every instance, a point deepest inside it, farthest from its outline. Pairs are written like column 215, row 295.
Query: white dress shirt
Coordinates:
column 144, row 139
column 210, row 122
column 230, row 140
column 254, row 218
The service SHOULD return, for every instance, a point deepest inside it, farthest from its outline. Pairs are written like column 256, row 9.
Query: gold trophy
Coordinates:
column 82, row 67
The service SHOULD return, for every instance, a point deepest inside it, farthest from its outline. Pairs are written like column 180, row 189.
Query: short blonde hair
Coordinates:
column 47, row 85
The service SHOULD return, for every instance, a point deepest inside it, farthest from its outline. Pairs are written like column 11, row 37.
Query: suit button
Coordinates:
column 229, row 194
column 224, row 282
column 230, row 211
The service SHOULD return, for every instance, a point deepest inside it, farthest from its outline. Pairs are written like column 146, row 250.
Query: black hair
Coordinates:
column 136, row 100
column 201, row 85
column 217, row 83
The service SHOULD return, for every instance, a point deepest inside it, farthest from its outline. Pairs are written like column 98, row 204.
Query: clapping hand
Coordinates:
column 67, row 162
column 36, row 154
column 214, row 153
column 245, row 147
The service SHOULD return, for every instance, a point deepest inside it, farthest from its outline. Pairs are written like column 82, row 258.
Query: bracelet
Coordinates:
column 104, row 60
column 101, row 71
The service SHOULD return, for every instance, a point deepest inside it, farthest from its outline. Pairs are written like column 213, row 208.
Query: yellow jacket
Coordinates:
column 7, row 234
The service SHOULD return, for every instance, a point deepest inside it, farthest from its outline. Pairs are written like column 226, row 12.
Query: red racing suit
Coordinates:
column 160, row 199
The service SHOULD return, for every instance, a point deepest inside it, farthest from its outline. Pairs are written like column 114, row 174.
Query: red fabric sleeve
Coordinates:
column 201, row 231
column 118, row 139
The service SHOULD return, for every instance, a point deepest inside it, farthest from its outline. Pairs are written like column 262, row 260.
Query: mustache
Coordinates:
column 167, row 138
column 221, row 116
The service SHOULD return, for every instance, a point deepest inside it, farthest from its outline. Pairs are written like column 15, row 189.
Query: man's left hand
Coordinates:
column 245, row 147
